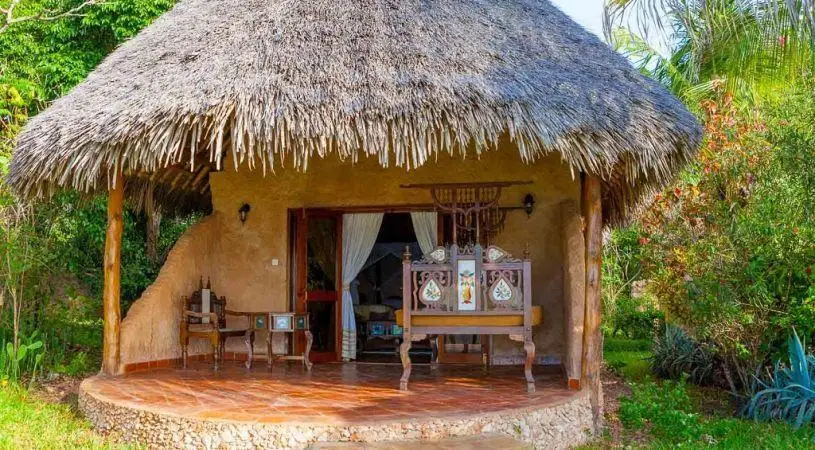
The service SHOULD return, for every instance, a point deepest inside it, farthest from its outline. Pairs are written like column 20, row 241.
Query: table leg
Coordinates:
column 269, row 353
column 306, row 359
column 249, row 340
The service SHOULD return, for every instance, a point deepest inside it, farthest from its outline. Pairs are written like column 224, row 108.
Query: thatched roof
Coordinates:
column 277, row 82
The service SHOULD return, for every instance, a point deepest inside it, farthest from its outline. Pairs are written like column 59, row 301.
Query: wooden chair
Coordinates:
column 212, row 327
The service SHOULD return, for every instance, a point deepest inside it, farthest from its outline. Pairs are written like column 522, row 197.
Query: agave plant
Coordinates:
column 675, row 353
column 789, row 392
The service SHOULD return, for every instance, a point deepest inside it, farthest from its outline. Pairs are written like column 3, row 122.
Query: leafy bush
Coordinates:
column 24, row 358
column 789, row 392
column 636, row 318
column 729, row 250
column 675, row 354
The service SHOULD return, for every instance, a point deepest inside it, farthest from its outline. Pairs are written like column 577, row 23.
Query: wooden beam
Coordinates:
column 111, row 295
column 592, row 334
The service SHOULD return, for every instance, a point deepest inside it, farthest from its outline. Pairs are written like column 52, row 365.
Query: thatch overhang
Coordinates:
column 272, row 83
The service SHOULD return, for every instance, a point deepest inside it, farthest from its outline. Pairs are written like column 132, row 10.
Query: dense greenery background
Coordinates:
column 53, row 250
column 725, row 255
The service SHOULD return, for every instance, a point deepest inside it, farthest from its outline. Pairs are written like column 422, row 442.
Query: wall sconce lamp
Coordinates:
column 244, row 211
column 529, row 204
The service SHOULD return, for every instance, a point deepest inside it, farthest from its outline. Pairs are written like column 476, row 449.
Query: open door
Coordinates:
column 317, row 246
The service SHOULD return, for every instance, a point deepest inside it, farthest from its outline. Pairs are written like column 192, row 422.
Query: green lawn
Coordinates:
column 672, row 414
column 28, row 423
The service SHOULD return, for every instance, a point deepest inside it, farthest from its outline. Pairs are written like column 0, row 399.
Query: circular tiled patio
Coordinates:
column 288, row 407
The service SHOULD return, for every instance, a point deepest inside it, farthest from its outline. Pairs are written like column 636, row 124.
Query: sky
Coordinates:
column 588, row 13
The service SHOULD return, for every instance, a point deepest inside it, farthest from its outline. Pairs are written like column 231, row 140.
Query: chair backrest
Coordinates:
column 469, row 279
column 194, row 303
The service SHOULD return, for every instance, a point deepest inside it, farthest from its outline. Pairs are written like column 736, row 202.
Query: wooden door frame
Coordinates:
column 298, row 237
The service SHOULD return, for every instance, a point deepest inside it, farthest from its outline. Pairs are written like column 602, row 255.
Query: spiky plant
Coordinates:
column 788, row 393
column 675, row 353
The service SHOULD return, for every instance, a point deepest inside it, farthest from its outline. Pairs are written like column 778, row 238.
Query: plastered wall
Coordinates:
column 150, row 330
column 239, row 257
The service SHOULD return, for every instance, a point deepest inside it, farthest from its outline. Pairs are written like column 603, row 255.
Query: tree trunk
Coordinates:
column 111, row 295
column 592, row 334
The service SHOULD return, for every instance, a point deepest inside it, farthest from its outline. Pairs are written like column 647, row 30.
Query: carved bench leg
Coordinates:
column 529, row 347
column 404, row 352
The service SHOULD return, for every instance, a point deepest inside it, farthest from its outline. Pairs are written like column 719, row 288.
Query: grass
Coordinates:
column 27, row 422
column 627, row 358
column 673, row 414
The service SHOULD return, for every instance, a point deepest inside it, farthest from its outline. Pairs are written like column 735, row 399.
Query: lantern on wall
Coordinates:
column 243, row 212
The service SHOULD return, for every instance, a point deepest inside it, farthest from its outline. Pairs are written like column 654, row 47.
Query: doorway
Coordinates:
column 316, row 268
column 317, row 271
column 377, row 294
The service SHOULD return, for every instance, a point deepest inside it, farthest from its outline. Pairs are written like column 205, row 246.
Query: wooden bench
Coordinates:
column 467, row 291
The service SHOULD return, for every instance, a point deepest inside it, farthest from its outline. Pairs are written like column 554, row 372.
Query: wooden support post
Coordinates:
column 592, row 334
column 111, row 295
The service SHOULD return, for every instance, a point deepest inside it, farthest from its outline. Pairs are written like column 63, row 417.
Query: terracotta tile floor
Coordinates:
column 331, row 394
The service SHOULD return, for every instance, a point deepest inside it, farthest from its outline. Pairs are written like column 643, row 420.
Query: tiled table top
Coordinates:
column 339, row 394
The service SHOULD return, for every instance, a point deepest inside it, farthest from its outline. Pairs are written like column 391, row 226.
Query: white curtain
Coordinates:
column 359, row 233
column 425, row 224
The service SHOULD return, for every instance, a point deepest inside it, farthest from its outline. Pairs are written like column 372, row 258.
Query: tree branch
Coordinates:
column 7, row 17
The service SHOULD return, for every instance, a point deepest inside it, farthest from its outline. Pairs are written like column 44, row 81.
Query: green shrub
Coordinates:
column 675, row 354
column 789, row 392
column 636, row 318
column 729, row 249
column 25, row 358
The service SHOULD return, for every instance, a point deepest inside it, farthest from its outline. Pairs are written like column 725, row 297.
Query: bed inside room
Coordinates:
column 377, row 293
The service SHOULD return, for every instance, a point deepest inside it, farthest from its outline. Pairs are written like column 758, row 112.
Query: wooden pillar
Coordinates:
column 592, row 334
column 113, row 272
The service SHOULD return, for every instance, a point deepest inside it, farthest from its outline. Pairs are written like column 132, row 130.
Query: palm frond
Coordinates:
column 755, row 43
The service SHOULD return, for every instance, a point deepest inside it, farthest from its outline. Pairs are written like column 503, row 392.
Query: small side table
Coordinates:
column 284, row 322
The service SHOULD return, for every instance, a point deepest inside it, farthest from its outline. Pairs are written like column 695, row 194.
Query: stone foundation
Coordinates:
column 552, row 426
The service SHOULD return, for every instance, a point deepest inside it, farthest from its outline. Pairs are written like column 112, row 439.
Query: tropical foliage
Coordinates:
column 693, row 46
column 676, row 355
column 51, row 253
column 788, row 393
column 728, row 251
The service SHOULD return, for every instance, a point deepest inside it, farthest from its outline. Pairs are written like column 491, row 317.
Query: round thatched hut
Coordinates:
column 276, row 117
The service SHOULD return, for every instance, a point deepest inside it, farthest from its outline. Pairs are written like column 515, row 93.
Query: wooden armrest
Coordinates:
column 238, row 313
column 213, row 318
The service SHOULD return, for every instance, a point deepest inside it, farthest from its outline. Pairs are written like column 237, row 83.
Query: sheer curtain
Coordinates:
column 359, row 233
column 425, row 224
